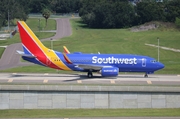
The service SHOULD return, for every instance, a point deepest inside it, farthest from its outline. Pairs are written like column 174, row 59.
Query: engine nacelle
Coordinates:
column 109, row 71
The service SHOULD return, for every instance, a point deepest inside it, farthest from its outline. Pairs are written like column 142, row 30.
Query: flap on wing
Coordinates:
column 89, row 66
column 25, row 55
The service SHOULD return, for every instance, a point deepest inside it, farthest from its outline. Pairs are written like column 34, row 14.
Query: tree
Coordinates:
column 11, row 9
column 177, row 22
column 36, row 6
column 149, row 11
column 65, row 6
column 107, row 13
column 172, row 10
column 46, row 14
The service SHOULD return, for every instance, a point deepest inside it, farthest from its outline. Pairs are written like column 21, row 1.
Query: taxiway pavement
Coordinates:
column 122, row 79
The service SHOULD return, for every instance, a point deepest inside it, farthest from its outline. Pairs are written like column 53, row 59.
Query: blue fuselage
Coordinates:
column 125, row 62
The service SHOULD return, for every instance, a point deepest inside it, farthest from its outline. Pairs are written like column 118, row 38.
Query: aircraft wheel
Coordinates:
column 145, row 75
column 90, row 75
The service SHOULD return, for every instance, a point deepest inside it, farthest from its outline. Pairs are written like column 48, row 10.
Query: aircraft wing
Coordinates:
column 85, row 66
column 89, row 66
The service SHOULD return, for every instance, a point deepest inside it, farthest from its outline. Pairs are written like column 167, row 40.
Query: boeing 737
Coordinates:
column 106, row 64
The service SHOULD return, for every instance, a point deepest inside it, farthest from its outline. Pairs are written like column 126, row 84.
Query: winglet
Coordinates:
column 67, row 59
column 66, row 50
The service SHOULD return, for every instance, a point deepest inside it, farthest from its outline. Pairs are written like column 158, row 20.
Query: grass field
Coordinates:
column 118, row 41
column 68, row 113
column 33, row 23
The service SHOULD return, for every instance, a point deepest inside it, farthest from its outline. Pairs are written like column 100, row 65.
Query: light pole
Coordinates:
column 39, row 24
column 51, row 43
column 158, row 48
column 8, row 20
column 8, row 15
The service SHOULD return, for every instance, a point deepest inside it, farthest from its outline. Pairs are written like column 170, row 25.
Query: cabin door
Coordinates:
column 143, row 62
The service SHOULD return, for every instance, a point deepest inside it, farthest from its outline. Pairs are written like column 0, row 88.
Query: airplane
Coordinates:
column 106, row 64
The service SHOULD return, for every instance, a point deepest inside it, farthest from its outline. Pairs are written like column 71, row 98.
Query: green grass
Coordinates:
column 1, row 51
column 33, row 23
column 68, row 113
column 119, row 41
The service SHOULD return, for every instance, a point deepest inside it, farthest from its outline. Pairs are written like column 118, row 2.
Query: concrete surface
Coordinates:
column 31, row 99
column 107, row 118
column 81, row 79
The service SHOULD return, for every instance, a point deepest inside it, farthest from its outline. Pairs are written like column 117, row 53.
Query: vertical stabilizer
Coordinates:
column 31, row 44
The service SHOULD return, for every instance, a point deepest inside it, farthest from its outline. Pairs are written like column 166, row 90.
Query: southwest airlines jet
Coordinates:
column 106, row 64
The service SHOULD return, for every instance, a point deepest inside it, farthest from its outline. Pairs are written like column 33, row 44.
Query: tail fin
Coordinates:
column 33, row 48
column 66, row 50
column 31, row 44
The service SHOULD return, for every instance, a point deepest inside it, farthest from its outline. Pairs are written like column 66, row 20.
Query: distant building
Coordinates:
column 134, row 2
column 159, row 0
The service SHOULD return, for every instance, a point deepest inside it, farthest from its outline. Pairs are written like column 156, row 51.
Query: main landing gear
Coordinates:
column 89, row 74
column 145, row 75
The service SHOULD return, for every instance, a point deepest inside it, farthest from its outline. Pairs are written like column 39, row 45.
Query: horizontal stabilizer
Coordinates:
column 25, row 55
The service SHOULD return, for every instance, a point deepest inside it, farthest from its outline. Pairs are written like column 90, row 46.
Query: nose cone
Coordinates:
column 160, row 65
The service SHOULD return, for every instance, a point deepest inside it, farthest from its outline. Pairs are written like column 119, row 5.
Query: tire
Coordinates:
column 90, row 75
column 146, row 76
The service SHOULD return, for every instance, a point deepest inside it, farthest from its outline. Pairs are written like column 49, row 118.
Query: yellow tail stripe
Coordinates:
column 51, row 55
column 56, row 60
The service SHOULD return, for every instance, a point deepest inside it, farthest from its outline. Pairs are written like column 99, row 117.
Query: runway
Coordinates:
column 122, row 79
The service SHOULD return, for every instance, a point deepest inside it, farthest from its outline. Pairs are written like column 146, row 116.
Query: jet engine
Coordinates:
column 109, row 71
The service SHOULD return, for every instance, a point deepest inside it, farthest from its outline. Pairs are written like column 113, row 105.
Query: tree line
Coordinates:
column 95, row 13
column 121, row 13
column 20, row 9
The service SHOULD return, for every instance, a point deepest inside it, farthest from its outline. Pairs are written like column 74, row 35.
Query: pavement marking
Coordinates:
column 46, row 74
column 165, row 48
column 45, row 81
column 3, row 46
column 112, row 81
column 10, row 80
column 149, row 82
column 79, row 81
